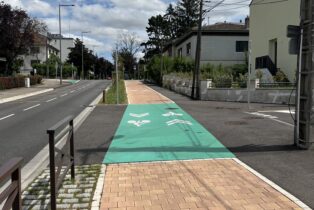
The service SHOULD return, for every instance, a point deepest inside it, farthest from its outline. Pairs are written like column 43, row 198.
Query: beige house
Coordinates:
column 268, row 35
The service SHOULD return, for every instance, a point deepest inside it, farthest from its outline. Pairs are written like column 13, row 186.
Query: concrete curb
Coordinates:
column 99, row 189
column 14, row 98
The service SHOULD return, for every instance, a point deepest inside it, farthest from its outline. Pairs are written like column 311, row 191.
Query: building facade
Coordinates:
column 38, row 53
column 268, row 36
column 222, row 43
column 66, row 43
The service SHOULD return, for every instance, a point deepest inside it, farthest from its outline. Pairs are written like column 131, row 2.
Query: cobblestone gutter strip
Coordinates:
column 72, row 195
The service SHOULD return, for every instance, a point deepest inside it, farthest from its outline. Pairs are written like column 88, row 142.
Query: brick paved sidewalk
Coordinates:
column 204, row 184
column 192, row 184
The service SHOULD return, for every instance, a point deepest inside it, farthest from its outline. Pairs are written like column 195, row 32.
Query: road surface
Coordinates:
column 23, row 123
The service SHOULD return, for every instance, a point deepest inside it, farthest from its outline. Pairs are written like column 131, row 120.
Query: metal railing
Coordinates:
column 266, row 62
column 11, row 195
column 57, row 161
column 276, row 85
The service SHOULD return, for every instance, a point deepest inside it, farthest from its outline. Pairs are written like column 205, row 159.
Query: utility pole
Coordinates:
column 197, row 73
column 60, row 37
column 304, row 136
column 82, row 34
column 117, row 74
column 196, row 76
column 47, row 66
column 60, row 40
column 198, row 52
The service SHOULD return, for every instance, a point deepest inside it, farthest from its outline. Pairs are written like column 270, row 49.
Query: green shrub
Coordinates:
column 280, row 77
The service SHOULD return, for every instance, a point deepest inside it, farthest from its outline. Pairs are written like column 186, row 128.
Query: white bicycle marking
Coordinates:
column 171, row 114
column 177, row 121
column 139, row 115
column 139, row 123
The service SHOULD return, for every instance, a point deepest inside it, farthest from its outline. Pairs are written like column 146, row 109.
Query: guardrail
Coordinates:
column 11, row 194
column 57, row 161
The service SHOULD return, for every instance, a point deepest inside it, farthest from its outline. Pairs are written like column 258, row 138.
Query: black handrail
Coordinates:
column 56, row 177
column 12, row 193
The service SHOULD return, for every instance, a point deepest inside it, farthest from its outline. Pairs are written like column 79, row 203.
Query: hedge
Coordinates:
column 16, row 82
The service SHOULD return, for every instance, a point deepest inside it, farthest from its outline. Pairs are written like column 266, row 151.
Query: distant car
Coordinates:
column 109, row 78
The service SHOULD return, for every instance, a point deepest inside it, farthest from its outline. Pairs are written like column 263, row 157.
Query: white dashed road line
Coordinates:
column 73, row 91
column 51, row 100
column 64, row 95
column 32, row 107
column 11, row 115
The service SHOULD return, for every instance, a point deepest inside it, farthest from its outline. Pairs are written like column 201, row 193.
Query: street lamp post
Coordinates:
column 60, row 37
column 82, row 34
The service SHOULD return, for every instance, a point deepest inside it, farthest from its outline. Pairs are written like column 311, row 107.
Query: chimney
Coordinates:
column 247, row 22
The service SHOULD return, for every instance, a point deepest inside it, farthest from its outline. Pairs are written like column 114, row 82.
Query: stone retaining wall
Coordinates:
column 259, row 95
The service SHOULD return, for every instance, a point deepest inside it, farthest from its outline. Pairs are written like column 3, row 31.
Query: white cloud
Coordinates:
column 107, row 19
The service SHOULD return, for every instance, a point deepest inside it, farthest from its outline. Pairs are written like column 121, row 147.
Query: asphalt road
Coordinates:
column 23, row 123
column 261, row 137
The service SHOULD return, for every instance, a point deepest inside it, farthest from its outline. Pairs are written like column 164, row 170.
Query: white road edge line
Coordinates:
column 51, row 100
column 11, row 115
column 273, row 185
column 32, row 107
column 41, row 160
column 282, row 122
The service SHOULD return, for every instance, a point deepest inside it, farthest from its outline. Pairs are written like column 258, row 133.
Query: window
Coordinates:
column 35, row 50
column 242, row 46
column 180, row 52
column 188, row 49
column 34, row 62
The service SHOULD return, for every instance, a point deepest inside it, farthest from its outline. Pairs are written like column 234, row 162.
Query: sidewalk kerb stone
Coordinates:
column 99, row 188
column 14, row 98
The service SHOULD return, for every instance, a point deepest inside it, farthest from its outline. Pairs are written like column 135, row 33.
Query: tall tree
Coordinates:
column 129, row 45
column 188, row 14
column 171, row 17
column 158, row 34
column 17, row 31
column 75, row 57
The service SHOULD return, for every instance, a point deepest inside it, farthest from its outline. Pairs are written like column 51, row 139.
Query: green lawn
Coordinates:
column 111, row 95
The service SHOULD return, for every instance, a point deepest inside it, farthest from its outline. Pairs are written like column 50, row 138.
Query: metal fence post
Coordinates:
column 16, row 177
column 72, row 150
column 53, row 198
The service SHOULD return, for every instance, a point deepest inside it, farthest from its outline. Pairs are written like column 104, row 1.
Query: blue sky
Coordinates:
column 107, row 19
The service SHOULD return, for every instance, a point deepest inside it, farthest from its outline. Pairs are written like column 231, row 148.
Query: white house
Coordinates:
column 268, row 35
column 67, row 44
column 38, row 53
column 222, row 43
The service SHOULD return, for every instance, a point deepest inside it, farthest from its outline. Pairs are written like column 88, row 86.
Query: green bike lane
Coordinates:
column 162, row 132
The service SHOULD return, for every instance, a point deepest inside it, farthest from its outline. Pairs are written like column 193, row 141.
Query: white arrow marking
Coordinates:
column 176, row 121
column 171, row 114
column 139, row 115
column 139, row 123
